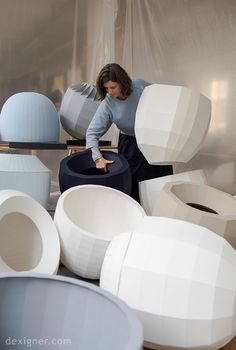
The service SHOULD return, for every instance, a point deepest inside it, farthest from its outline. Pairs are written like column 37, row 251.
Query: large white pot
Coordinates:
column 180, row 278
column 171, row 123
column 149, row 190
column 87, row 218
column 28, row 237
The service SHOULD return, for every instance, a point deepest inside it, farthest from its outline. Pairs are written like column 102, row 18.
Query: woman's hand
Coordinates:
column 101, row 163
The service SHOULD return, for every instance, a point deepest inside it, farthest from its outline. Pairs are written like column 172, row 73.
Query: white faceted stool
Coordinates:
column 199, row 204
column 180, row 278
column 29, row 117
column 55, row 312
column 149, row 190
column 25, row 173
column 171, row 123
column 87, row 218
column 28, row 237
column 78, row 107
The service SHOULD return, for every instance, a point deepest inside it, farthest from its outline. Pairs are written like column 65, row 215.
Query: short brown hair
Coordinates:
column 113, row 72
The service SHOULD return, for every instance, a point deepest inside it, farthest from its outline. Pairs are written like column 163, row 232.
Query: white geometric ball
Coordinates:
column 180, row 278
column 29, row 117
column 171, row 123
column 149, row 190
column 87, row 217
column 29, row 241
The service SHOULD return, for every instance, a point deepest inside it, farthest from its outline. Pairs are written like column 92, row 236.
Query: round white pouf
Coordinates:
column 181, row 280
column 171, row 123
column 149, row 190
column 25, row 173
column 87, row 218
column 29, row 117
column 28, row 237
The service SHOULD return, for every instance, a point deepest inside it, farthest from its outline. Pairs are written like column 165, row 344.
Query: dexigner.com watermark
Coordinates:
column 30, row 342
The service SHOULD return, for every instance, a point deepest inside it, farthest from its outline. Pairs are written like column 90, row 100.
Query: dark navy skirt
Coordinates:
column 140, row 169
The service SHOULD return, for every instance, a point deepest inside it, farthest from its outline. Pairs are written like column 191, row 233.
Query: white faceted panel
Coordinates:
column 87, row 218
column 29, row 117
column 149, row 190
column 171, row 123
column 200, row 204
column 25, row 173
column 180, row 278
column 78, row 107
column 28, row 237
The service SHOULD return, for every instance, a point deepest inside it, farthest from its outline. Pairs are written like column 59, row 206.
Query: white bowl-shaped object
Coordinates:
column 28, row 237
column 200, row 204
column 45, row 312
column 149, row 190
column 87, row 218
column 78, row 107
column 29, row 117
column 25, row 173
column 180, row 278
column 171, row 123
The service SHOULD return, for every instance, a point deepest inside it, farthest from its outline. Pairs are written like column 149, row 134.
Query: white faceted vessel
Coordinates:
column 180, row 278
column 87, row 218
column 149, row 190
column 78, row 107
column 29, row 241
column 171, row 123
column 29, row 117
column 200, row 204
column 25, row 173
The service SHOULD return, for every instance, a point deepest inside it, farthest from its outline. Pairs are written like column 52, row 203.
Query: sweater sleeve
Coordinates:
column 98, row 126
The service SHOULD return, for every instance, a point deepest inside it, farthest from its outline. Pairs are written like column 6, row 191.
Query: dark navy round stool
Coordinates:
column 79, row 169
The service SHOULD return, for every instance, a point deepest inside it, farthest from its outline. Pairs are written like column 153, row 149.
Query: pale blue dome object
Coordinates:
column 29, row 117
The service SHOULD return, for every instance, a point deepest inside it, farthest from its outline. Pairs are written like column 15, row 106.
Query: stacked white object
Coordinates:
column 29, row 117
column 25, row 173
column 171, row 123
column 149, row 190
column 180, row 278
column 199, row 204
column 87, row 218
column 28, row 237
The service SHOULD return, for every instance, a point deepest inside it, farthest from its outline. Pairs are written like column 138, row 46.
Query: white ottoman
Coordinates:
column 25, row 173
column 28, row 237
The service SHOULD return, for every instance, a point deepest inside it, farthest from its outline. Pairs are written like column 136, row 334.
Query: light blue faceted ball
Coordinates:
column 29, row 117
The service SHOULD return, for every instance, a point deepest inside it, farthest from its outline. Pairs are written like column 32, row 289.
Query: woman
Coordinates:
column 120, row 96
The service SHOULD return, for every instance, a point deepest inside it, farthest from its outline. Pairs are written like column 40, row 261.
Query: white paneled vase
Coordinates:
column 200, row 204
column 29, row 117
column 180, row 278
column 87, row 218
column 171, row 123
column 29, row 241
column 149, row 190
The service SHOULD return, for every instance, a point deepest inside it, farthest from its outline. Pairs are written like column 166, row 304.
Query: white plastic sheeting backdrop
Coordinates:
column 57, row 43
